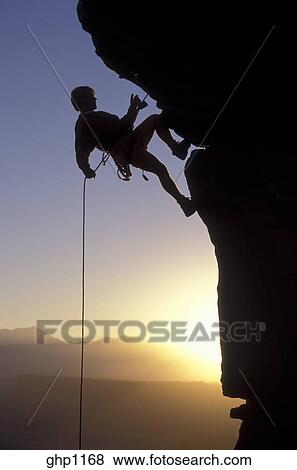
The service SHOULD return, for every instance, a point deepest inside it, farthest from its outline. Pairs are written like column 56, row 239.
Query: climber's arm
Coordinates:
column 135, row 106
column 83, row 149
column 82, row 159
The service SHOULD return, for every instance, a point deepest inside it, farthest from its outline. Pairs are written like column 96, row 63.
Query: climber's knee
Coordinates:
column 154, row 117
column 153, row 120
column 157, row 118
column 161, row 170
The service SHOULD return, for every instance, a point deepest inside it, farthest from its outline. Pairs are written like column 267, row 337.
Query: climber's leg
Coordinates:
column 148, row 162
column 145, row 131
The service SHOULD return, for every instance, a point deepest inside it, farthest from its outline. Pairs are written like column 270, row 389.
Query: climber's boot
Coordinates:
column 187, row 206
column 180, row 149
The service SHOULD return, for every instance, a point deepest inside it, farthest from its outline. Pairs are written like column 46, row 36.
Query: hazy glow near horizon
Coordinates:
column 144, row 259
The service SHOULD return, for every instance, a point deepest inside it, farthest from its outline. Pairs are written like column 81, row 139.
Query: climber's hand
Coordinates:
column 135, row 102
column 89, row 173
column 143, row 105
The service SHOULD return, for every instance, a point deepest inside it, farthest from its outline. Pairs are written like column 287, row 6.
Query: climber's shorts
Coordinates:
column 122, row 150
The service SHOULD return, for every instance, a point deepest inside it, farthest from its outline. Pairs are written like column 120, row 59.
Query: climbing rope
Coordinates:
column 122, row 172
column 104, row 160
column 82, row 314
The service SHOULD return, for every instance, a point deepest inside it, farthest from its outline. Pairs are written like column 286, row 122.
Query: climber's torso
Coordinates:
column 94, row 127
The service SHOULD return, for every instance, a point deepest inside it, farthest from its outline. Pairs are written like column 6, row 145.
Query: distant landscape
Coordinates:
column 124, row 408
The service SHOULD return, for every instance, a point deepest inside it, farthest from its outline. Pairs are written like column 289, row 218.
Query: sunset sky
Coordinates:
column 145, row 260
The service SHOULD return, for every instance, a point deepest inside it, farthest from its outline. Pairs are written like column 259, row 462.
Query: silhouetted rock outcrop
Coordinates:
column 244, row 186
column 247, row 202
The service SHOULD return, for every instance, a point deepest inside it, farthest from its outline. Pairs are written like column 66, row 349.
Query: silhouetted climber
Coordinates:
column 125, row 145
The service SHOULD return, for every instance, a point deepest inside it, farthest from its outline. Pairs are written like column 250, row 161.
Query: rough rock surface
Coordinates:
column 244, row 186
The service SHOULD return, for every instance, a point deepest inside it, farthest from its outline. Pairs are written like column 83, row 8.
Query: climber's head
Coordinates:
column 83, row 99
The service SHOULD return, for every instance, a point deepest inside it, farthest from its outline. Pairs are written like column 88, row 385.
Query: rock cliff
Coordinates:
column 244, row 185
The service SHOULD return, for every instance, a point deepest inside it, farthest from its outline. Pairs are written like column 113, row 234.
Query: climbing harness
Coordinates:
column 124, row 172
